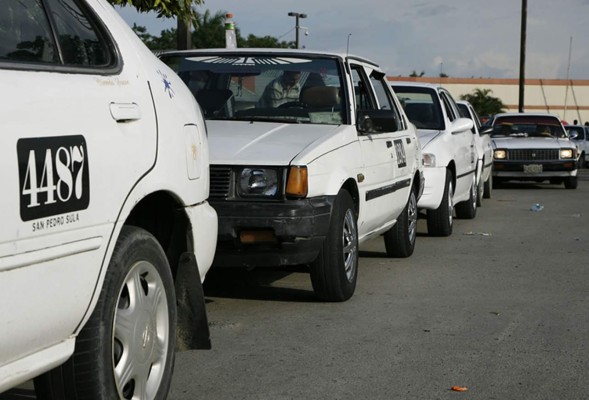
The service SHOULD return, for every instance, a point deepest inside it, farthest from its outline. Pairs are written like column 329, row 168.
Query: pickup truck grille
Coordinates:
column 533, row 155
column 220, row 181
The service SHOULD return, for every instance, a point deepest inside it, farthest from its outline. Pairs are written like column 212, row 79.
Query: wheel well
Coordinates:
column 163, row 216
column 452, row 168
column 352, row 188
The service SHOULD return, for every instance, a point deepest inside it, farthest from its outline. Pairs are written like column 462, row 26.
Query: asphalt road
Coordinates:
column 499, row 308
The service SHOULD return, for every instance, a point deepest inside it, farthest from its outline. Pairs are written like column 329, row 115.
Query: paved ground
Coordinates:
column 500, row 307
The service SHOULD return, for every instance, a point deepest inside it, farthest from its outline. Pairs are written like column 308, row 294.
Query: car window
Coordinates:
column 422, row 107
column 364, row 100
column 528, row 126
column 24, row 33
column 264, row 87
column 450, row 111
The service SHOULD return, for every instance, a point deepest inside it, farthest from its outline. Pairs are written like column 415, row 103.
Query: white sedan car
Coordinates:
column 449, row 154
column 484, row 151
column 106, row 229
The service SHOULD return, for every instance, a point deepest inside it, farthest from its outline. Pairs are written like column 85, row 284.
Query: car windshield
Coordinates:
column 528, row 126
column 422, row 107
column 264, row 87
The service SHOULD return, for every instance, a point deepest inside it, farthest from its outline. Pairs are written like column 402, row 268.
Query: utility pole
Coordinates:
column 522, row 56
column 297, row 26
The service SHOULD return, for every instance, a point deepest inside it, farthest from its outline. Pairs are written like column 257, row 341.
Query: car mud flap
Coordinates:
column 193, row 325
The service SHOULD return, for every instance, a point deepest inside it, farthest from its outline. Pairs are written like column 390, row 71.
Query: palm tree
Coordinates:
column 483, row 102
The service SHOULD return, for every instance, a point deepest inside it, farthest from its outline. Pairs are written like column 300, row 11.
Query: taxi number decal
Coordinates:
column 53, row 175
column 401, row 157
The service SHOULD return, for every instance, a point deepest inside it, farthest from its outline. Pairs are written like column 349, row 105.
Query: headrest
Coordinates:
column 321, row 96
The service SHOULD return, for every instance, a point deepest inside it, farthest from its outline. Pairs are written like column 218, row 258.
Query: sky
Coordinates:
column 460, row 38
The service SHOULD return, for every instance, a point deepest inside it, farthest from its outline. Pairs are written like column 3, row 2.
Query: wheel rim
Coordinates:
column 474, row 194
column 141, row 333
column 450, row 203
column 350, row 245
column 412, row 217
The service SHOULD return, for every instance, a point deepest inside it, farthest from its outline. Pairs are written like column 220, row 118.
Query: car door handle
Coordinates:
column 123, row 112
column 389, row 144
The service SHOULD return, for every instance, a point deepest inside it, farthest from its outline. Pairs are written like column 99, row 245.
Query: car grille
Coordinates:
column 220, row 181
column 533, row 155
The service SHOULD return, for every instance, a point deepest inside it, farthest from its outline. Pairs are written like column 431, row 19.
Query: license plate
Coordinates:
column 533, row 168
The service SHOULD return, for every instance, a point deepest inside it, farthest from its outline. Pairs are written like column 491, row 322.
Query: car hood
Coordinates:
column 261, row 143
column 530, row 143
column 426, row 136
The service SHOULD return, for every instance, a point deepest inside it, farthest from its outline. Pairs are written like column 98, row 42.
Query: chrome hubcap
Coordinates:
column 350, row 245
column 412, row 217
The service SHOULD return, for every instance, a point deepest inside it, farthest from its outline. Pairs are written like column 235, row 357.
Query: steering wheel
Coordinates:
column 293, row 104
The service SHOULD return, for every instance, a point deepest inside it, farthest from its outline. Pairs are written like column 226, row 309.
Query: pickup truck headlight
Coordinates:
column 500, row 154
column 567, row 154
column 259, row 182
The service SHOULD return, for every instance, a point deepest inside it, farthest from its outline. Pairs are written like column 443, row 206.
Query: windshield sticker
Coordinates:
column 54, row 179
column 249, row 61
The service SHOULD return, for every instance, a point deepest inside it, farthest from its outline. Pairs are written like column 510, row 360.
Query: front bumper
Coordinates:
column 525, row 170
column 433, row 190
column 265, row 234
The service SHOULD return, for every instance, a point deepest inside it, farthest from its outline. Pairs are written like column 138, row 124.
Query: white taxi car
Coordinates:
column 311, row 154
column 484, row 151
column 105, row 225
column 449, row 154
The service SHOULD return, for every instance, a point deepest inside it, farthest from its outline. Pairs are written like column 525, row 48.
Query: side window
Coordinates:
column 364, row 101
column 448, row 107
column 384, row 96
column 80, row 41
column 25, row 35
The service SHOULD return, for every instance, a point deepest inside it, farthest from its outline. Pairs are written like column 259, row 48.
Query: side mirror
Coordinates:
column 461, row 125
column 573, row 135
column 486, row 130
column 376, row 121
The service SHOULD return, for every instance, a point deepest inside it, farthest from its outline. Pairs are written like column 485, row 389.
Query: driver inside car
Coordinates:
column 284, row 89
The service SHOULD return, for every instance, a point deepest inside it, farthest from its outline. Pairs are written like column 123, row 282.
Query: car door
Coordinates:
column 382, row 155
column 78, row 128
column 464, row 147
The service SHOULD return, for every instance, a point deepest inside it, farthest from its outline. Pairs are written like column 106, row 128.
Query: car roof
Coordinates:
column 416, row 84
column 517, row 114
column 272, row 51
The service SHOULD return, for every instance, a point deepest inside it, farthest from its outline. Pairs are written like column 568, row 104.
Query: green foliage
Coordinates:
column 483, row 102
column 164, row 8
column 208, row 32
column 414, row 74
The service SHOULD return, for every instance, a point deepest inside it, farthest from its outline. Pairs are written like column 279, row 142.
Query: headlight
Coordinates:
column 262, row 182
column 429, row 159
column 567, row 154
column 500, row 154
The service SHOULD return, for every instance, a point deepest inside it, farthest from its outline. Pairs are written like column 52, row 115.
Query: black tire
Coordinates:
column 496, row 182
column 480, row 189
column 400, row 240
column 571, row 182
column 132, row 330
column 440, row 221
column 335, row 271
column 582, row 161
column 488, row 187
column 468, row 209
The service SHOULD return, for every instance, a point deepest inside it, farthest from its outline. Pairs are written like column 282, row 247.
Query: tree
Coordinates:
column 414, row 74
column 483, row 102
column 208, row 32
column 184, row 9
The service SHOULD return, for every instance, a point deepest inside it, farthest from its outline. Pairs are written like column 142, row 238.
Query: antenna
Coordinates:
column 348, row 45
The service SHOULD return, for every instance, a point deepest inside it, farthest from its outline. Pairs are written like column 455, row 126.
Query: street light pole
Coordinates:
column 522, row 56
column 297, row 26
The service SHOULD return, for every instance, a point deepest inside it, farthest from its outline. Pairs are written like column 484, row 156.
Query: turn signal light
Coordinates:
column 297, row 183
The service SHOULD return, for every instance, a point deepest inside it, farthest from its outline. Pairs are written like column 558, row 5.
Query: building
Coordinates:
column 569, row 99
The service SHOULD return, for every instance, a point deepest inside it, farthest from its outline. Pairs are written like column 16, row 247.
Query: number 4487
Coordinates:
column 60, row 178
